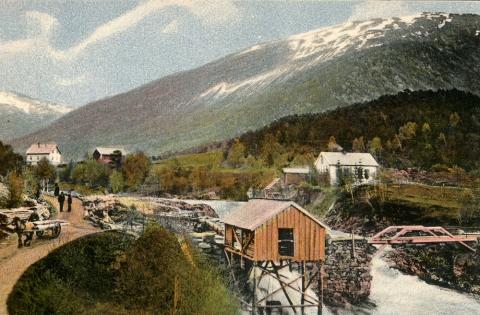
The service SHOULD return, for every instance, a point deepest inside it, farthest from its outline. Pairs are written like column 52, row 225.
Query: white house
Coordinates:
column 49, row 151
column 330, row 162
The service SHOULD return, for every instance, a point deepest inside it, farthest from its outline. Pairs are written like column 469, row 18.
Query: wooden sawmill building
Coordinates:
column 274, row 230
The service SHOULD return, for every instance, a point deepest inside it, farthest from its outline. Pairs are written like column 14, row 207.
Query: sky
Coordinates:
column 74, row 52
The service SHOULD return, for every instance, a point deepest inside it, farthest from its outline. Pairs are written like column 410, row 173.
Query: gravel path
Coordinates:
column 14, row 261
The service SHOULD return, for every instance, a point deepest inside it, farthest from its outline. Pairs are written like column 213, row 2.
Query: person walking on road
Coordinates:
column 56, row 192
column 19, row 228
column 69, row 202
column 61, row 200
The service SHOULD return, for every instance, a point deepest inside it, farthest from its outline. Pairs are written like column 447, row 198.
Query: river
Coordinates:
column 392, row 293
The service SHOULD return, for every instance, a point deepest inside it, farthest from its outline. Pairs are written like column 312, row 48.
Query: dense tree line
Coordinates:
column 127, row 174
column 411, row 129
column 9, row 160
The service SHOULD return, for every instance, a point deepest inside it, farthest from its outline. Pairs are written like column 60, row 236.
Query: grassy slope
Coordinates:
column 375, row 208
column 110, row 273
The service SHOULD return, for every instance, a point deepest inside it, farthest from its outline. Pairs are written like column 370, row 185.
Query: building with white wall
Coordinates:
column 49, row 151
column 329, row 163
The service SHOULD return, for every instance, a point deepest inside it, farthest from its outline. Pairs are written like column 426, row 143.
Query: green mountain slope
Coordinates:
column 306, row 73
column 412, row 129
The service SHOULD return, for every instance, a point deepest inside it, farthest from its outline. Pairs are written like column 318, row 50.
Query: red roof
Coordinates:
column 42, row 148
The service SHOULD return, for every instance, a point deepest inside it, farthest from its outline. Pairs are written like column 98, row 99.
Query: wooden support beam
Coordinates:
column 302, row 267
column 277, row 277
column 282, row 287
column 320, row 288
column 237, row 252
column 254, row 302
column 279, row 289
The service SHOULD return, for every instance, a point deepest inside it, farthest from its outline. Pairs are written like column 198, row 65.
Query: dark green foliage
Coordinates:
column 91, row 173
column 409, row 129
column 109, row 273
column 227, row 183
column 71, row 279
column 45, row 170
column 135, row 169
column 9, row 160
column 15, row 186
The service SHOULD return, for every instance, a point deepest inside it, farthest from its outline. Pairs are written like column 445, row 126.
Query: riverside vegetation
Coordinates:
column 112, row 273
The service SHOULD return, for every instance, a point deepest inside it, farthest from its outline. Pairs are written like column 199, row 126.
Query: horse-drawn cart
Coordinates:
column 19, row 221
column 48, row 228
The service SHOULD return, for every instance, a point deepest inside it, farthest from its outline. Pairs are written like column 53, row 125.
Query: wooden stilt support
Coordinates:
column 254, row 295
column 302, row 270
column 320, row 288
column 282, row 285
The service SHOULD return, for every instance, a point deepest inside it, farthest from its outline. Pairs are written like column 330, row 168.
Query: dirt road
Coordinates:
column 14, row 261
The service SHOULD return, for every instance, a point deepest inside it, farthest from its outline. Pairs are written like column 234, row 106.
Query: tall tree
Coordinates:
column 15, row 188
column 135, row 169
column 358, row 145
column 9, row 160
column 236, row 154
column 45, row 172
column 375, row 147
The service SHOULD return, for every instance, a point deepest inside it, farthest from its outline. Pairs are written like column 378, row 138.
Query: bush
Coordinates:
column 116, row 182
column 9, row 160
column 135, row 169
column 157, row 267
column 73, row 279
column 15, row 188
column 110, row 273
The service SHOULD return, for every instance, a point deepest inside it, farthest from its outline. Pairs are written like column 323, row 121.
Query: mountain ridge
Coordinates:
column 21, row 114
column 310, row 72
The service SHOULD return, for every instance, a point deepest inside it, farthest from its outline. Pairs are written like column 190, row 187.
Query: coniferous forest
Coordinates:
column 427, row 129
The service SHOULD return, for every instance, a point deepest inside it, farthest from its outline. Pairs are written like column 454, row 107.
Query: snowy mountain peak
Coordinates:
column 17, row 102
column 301, row 52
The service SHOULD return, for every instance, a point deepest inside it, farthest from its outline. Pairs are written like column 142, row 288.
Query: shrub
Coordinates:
column 116, row 182
column 15, row 188
column 135, row 169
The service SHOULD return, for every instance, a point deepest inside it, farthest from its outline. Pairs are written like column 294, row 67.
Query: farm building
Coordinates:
column 295, row 175
column 362, row 166
column 108, row 155
column 274, row 230
column 39, row 151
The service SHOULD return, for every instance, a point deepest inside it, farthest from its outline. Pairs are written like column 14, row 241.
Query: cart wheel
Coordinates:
column 40, row 234
column 56, row 230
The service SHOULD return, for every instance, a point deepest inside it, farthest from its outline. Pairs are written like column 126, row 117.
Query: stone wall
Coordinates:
column 347, row 271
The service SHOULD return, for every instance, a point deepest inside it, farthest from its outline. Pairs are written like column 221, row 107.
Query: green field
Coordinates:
column 213, row 159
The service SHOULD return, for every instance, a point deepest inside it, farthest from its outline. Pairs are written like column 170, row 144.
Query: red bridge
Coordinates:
column 419, row 234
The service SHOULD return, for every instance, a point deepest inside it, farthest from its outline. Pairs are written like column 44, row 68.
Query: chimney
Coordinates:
column 38, row 144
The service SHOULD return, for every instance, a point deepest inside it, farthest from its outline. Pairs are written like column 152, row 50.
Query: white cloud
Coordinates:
column 40, row 29
column 71, row 81
column 380, row 9
column 170, row 28
column 206, row 10
column 16, row 46
column 210, row 12
column 47, row 22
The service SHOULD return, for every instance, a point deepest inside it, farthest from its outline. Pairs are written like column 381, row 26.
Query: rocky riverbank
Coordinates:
column 111, row 211
column 347, row 268
column 449, row 266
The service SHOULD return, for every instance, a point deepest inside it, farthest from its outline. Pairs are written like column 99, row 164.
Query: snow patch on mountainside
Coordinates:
column 226, row 88
column 333, row 41
column 309, row 49
column 12, row 101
